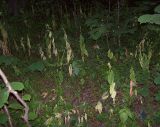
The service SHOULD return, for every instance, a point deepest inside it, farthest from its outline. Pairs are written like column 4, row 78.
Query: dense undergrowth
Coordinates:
column 88, row 67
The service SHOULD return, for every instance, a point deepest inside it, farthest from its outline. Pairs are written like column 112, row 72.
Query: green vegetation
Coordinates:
column 80, row 64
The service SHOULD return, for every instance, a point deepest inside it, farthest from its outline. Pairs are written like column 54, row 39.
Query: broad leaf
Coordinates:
column 125, row 114
column 26, row 97
column 8, row 60
column 147, row 18
column 97, row 32
column 32, row 116
column 4, row 94
column 19, row 86
column 37, row 66
column 157, row 79
column 76, row 68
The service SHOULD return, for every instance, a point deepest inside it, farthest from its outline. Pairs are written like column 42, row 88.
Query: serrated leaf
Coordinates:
column 26, row 97
column 3, row 119
column 8, row 60
column 123, row 117
column 18, row 86
column 147, row 18
column 144, row 18
column 99, row 107
column 96, row 33
column 125, row 114
column 15, row 106
column 37, row 66
column 32, row 116
column 76, row 68
column 4, row 94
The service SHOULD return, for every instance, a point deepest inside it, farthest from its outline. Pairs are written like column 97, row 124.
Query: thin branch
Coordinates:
column 9, row 116
column 16, row 95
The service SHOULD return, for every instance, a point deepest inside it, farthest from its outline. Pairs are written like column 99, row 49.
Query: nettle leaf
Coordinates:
column 148, row 18
column 18, row 86
column 3, row 119
column 125, row 114
column 157, row 79
column 8, row 60
column 26, row 97
column 157, row 9
column 76, row 67
column 32, row 116
column 96, row 33
column 37, row 66
column 4, row 94
column 15, row 106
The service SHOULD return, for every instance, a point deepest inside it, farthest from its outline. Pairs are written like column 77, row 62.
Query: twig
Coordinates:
column 16, row 95
column 9, row 116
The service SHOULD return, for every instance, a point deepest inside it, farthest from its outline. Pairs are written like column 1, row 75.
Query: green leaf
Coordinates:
column 8, row 60
column 132, row 75
column 147, row 18
column 110, row 77
column 125, row 114
column 96, row 33
column 123, row 117
column 17, row 86
column 110, row 54
column 16, row 106
column 157, row 96
column 3, row 119
column 84, row 52
column 4, row 94
column 26, row 97
column 144, row 91
column 37, row 66
column 76, row 68
column 157, row 9
column 157, row 79
column 32, row 116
